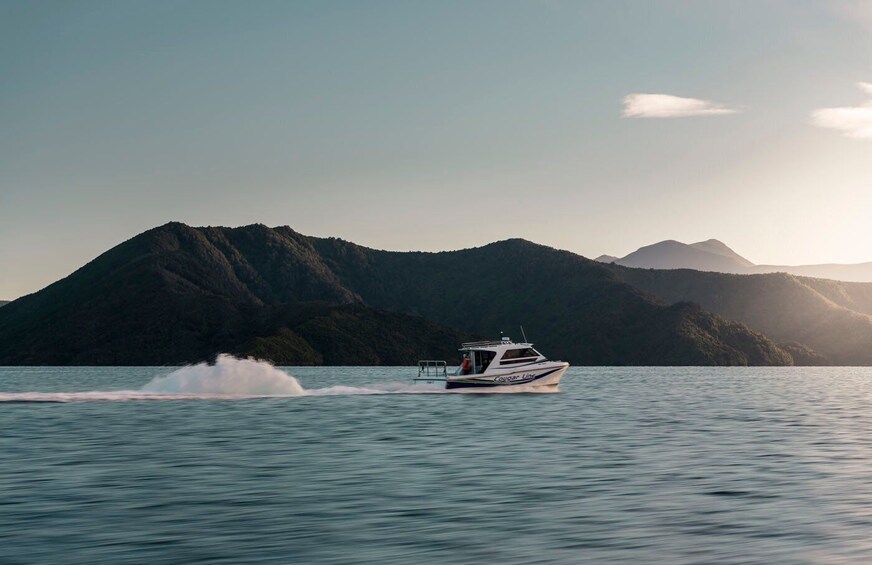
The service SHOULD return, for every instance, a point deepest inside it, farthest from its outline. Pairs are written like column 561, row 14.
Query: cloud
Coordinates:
column 852, row 121
column 668, row 106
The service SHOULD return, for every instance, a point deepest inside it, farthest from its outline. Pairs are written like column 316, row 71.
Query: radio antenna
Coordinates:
column 523, row 334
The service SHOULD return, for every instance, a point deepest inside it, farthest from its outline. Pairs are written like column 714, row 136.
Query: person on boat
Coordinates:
column 466, row 366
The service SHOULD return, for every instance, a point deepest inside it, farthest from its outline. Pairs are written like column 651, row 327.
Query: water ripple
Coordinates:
column 625, row 464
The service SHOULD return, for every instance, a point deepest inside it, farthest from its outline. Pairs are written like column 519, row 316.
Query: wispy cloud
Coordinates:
column 853, row 121
column 668, row 106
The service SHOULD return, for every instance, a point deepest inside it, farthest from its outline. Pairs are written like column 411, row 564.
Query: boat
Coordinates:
column 495, row 363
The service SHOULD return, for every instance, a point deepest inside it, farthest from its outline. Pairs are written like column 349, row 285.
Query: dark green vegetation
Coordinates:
column 575, row 308
column 178, row 294
column 819, row 321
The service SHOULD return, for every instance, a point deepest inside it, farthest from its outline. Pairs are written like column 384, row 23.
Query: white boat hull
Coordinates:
column 541, row 374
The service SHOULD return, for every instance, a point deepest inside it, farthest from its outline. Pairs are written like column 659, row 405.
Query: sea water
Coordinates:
column 243, row 463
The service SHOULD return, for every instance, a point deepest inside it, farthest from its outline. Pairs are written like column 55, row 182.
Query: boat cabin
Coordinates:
column 478, row 356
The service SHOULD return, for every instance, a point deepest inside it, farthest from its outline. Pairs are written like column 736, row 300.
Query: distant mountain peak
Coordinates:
column 708, row 255
column 712, row 245
column 716, row 256
column 720, row 248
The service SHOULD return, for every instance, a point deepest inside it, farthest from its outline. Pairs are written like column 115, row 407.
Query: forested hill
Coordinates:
column 830, row 320
column 180, row 294
column 573, row 307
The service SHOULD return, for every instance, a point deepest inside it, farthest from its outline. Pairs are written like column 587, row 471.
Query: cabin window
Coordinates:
column 478, row 362
column 483, row 360
column 520, row 355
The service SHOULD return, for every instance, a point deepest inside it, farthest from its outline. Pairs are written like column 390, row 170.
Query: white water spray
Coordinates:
column 228, row 376
column 235, row 379
column 228, row 379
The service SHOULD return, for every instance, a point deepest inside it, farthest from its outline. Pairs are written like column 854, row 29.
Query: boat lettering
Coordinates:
column 513, row 378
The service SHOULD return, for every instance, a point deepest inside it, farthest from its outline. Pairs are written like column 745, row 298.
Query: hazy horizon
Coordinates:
column 595, row 127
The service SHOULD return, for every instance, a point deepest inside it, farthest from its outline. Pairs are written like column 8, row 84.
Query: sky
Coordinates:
column 596, row 127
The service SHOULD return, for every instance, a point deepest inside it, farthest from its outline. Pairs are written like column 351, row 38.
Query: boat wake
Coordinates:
column 231, row 379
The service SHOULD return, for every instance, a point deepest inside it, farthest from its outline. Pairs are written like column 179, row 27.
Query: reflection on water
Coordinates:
column 666, row 465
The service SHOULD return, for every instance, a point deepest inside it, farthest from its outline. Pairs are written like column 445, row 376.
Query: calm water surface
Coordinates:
column 663, row 465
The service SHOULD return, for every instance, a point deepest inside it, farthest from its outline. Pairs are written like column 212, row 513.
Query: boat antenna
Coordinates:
column 523, row 334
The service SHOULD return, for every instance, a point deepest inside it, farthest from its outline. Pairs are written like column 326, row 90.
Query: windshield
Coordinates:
column 519, row 355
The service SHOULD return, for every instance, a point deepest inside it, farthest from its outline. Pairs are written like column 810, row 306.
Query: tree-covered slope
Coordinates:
column 828, row 318
column 179, row 294
column 574, row 308
column 176, row 294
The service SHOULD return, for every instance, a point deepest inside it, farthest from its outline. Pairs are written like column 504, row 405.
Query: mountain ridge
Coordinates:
column 178, row 294
column 831, row 318
column 710, row 255
column 715, row 256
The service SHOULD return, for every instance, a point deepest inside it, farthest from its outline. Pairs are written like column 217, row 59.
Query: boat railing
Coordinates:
column 485, row 343
column 430, row 370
